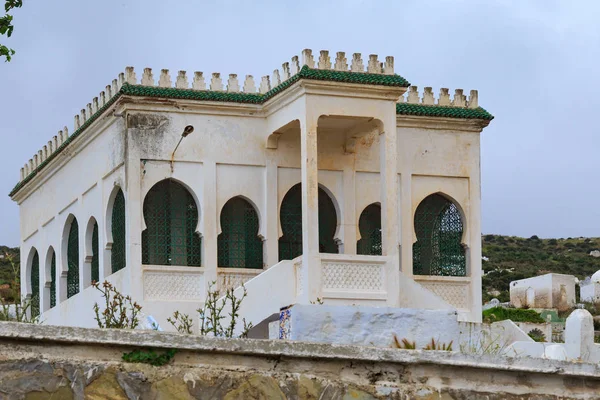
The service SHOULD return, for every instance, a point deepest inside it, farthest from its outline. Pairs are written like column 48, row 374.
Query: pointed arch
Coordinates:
column 50, row 283
column 239, row 244
column 438, row 225
column 34, row 282
column 369, row 226
column 91, row 261
column 71, row 256
column 290, row 218
column 171, row 218
column 117, row 254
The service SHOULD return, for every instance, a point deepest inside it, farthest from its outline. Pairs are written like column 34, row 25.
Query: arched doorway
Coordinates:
column 171, row 217
column 238, row 244
column 369, row 225
column 290, row 217
column 439, row 229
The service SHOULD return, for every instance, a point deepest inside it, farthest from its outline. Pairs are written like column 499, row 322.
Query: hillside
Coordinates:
column 511, row 258
column 508, row 258
column 6, row 271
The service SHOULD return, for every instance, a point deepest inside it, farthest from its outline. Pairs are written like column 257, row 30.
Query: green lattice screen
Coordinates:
column 290, row 218
column 369, row 225
column 95, row 261
column 117, row 254
column 73, row 260
column 238, row 244
column 171, row 217
column 439, row 228
column 53, row 280
column 35, row 285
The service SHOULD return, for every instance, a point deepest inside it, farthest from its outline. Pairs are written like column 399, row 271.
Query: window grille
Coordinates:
column 238, row 244
column 439, row 228
column 53, row 280
column 369, row 225
column 171, row 217
column 117, row 254
column 35, row 285
column 95, row 261
column 290, row 217
column 73, row 260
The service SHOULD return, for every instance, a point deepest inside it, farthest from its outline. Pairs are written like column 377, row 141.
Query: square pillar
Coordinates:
column 311, row 261
column 271, row 217
column 134, row 216
column 389, row 203
column 349, row 221
column 209, row 218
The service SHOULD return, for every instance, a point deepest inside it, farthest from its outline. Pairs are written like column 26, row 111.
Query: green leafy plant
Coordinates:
column 537, row 335
column 436, row 345
column 12, row 306
column 6, row 26
column 318, row 301
column 149, row 357
column 120, row 312
column 404, row 344
column 496, row 314
column 215, row 309
column 182, row 322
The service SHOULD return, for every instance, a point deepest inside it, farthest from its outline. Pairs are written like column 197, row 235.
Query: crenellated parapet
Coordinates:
column 62, row 138
column 341, row 68
column 427, row 98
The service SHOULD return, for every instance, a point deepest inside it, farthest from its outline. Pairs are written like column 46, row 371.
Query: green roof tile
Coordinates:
column 254, row 98
column 443, row 111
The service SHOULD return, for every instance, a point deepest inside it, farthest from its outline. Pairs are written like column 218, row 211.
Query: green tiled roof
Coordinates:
column 254, row 98
column 443, row 111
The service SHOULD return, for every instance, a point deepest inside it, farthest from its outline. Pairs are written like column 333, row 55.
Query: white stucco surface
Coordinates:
column 346, row 139
column 544, row 291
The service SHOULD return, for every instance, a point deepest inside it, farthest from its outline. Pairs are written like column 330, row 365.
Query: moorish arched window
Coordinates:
column 439, row 229
column 171, row 217
column 73, row 259
column 53, row 280
column 117, row 254
column 290, row 218
column 34, row 277
column 369, row 225
column 95, row 275
column 238, row 244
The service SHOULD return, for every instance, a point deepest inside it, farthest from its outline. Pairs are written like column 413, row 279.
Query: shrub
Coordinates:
column 514, row 314
column 537, row 335
column 211, row 315
column 121, row 312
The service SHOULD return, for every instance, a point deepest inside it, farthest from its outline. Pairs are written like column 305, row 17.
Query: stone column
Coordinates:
column 311, row 261
column 134, row 215
column 389, row 203
column 473, row 251
column 271, row 217
column 349, row 221
column 209, row 212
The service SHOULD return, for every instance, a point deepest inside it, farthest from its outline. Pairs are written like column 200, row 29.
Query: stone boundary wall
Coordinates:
column 38, row 362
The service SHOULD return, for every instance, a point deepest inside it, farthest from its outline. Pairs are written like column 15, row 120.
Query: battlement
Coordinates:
column 339, row 68
column 428, row 99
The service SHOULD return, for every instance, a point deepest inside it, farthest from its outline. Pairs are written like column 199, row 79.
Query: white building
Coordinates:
column 328, row 182
column 544, row 291
column 590, row 288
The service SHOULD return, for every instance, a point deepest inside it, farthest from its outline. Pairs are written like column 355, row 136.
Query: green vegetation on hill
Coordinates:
column 511, row 258
column 514, row 314
column 6, row 271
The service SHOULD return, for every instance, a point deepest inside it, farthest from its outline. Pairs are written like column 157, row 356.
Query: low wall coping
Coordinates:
column 46, row 334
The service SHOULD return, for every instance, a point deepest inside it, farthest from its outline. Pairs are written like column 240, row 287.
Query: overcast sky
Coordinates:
column 535, row 64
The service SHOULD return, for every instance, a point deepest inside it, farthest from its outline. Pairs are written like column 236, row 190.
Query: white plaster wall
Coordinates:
column 226, row 155
column 372, row 326
column 547, row 290
column 81, row 189
column 590, row 292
